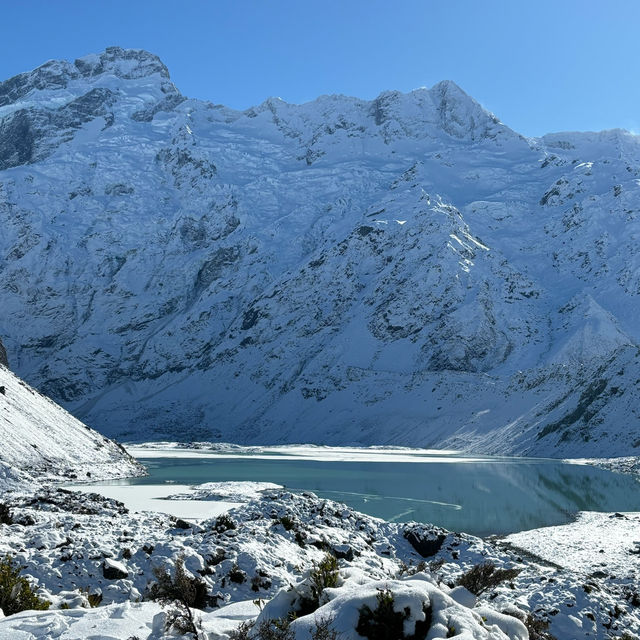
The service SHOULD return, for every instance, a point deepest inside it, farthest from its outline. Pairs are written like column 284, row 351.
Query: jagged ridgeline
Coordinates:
column 405, row 270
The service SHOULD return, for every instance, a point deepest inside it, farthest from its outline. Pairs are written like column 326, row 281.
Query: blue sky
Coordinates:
column 540, row 66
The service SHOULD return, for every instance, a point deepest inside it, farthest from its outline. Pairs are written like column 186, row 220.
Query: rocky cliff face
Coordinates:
column 406, row 270
column 3, row 355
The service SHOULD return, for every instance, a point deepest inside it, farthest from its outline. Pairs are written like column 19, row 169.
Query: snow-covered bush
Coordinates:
column 190, row 590
column 414, row 608
column 287, row 522
column 16, row 594
column 236, row 574
column 323, row 576
column 485, row 576
column 224, row 523
column 5, row 514
column 385, row 622
column 181, row 593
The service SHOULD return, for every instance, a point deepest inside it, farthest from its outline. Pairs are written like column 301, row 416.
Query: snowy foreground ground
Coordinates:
column 583, row 578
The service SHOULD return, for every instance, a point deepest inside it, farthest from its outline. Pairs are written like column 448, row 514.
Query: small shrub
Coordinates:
column 537, row 628
column 213, row 560
column 287, row 522
column 324, row 575
column 241, row 632
column 16, row 594
column 411, row 570
column 435, row 565
column 485, row 576
column 386, row 624
column 260, row 581
column 181, row 593
column 278, row 629
column 5, row 514
column 190, row 590
column 236, row 574
column 382, row 623
column 322, row 630
column 224, row 523
column 181, row 618
column 94, row 599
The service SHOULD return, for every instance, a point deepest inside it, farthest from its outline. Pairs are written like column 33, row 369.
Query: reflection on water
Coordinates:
column 489, row 497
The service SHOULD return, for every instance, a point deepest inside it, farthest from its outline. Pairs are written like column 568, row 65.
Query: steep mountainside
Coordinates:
column 406, row 270
column 40, row 440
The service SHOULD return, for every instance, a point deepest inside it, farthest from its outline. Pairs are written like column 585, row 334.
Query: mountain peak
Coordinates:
column 449, row 86
column 128, row 64
column 445, row 106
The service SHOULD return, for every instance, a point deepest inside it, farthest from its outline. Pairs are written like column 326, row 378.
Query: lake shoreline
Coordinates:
column 483, row 495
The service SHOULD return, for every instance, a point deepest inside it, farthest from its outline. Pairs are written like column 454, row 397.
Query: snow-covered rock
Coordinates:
column 417, row 599
column 65, row 539
column 405, row 270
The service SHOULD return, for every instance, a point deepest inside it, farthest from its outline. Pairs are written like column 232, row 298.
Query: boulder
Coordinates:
column 113, row 570
column 426, row 542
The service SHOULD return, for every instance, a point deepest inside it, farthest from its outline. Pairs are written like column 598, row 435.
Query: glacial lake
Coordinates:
column 478, row 494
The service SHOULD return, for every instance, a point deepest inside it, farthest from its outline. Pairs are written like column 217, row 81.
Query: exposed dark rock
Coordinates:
column 343, row 552
column 3, row 355
column 118, row 189
column 426, row 542
column 56, row 74
column 51, row 75
column 167, row 104
column 107, row 62
column 16, row 140
column 111, row 571
column 214, row 266
column 28, row 135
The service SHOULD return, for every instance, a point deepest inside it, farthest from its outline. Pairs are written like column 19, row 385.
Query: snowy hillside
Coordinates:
column 406, row 270
column 40, row 440
column 259, row 562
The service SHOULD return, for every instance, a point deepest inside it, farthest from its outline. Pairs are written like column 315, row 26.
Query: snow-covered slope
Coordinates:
column 73, row 545
column 405, row 270
column 40, row 440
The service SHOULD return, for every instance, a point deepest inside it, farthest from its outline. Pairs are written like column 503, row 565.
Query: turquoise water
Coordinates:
column 490, row 496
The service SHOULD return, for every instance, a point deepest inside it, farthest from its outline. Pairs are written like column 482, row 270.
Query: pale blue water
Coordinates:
column 494, row 496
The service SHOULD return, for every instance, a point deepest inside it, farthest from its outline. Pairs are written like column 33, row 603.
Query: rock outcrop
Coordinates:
column 3, row 355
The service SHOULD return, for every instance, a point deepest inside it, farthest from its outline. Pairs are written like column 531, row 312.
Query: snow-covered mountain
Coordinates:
column 40, row 440
column 406, row 270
